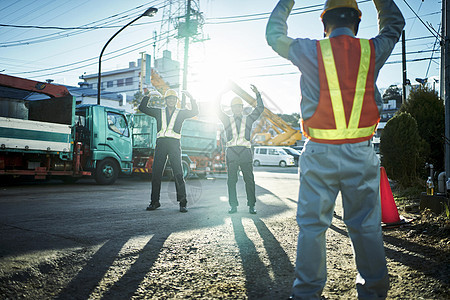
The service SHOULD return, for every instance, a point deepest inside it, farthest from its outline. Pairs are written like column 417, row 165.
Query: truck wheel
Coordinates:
column 256, row 163
column 282, row 164
column 106, row 172
column 186, row 169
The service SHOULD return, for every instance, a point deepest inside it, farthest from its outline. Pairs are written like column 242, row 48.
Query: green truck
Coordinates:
column 43, row 134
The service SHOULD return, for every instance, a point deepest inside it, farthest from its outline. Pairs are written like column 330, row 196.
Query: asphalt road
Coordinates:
column 85, row 241
column 48, row 215
column 41, row 221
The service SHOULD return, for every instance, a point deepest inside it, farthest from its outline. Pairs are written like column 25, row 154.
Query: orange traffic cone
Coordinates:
column 389, row 212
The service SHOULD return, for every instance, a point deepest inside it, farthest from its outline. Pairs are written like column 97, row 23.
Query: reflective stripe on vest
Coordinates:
column 238, row 139
column 167, row 130
column 343, row 132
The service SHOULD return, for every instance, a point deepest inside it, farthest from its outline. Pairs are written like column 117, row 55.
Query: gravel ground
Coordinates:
column 243, row 257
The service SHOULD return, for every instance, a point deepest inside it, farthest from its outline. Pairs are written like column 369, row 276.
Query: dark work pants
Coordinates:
column 168, row 147
column 240, row 157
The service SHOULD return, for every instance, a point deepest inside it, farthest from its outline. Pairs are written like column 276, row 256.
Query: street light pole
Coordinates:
column 149, row 13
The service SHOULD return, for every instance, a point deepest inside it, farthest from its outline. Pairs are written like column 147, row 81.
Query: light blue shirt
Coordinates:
column 303, row 52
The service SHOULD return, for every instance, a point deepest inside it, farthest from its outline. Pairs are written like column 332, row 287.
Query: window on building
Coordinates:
column 109, row 83
column 120, row 82
column 129, row 81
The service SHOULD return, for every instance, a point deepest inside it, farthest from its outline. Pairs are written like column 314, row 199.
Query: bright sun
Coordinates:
column 210, row 75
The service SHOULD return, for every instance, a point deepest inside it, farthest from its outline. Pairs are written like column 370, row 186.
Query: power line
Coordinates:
column 114, row 19
column 89, row 59
column 411, row 60
column 426, row 26
column 434, row 45
column 9, row 5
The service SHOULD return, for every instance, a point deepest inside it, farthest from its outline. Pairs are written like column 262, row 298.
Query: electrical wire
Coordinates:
column 103, row 23
column 295, row 11
column 93, row 63
column 4, row 8
column 92, row 58
column 432, row 53
column 420, row 19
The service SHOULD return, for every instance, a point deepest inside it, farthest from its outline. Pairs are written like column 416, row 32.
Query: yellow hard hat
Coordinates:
column 236, row 101
column 332, row 4
column 170, row 93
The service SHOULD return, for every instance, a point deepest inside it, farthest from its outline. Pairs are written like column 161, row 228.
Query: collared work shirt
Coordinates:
column 302, row 52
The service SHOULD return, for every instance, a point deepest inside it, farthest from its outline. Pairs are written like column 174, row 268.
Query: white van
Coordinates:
column 272, row 156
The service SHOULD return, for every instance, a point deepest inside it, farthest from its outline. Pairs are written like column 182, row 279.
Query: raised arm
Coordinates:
column 276, row 30
column 391, row 24
column 219, row 112
column 194, row 107
column 259, row 104
column 151, row 111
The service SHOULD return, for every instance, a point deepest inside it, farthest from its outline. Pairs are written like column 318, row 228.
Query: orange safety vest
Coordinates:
column 347, row 111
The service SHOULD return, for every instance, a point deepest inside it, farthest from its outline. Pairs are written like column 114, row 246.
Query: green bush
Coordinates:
column 428, row 110
column 402, row 149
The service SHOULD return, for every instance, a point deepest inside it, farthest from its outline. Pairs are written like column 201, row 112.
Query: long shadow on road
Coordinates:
column 270, row 279
column 96, row 268
column 109, row 218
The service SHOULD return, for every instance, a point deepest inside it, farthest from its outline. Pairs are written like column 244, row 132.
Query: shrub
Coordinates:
column 402, row 149
column 428, row 110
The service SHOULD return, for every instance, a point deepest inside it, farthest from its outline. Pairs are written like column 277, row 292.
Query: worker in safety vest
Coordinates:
column 239, row 153
column 168, row 122
column 340, row 108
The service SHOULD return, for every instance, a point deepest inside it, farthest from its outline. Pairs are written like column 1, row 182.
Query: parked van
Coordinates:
column 274, row 156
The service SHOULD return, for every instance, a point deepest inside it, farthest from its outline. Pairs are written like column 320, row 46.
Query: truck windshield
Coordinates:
column 118, row 123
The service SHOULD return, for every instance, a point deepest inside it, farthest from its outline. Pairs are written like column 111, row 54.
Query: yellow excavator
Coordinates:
column 282, row 133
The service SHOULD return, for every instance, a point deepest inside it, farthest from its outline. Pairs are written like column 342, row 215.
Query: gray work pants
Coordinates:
column 168, row 148
column 352, row 169
column 239, row 157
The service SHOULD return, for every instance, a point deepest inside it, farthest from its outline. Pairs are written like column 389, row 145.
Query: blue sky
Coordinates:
column 235, row 49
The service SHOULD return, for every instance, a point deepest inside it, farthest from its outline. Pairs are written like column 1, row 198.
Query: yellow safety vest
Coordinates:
column 167, row 129
column 344, row 131
column 238, row 139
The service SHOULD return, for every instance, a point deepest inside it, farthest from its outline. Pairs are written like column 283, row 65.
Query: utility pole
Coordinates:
column 155, row 35
column 445, row 61
column 141, row 74
column 404, row 67
column 186, row 51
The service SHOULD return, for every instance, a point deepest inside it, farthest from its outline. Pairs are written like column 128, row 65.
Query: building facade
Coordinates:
column 128, row 82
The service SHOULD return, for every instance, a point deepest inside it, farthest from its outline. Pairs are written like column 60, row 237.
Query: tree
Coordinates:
column 401, row 148
column 137, row 100
column 428, row 110
column 393, row 92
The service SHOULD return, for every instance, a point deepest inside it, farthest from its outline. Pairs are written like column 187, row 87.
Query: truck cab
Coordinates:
column 107, row 133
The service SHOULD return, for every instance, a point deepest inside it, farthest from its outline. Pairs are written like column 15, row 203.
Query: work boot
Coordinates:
column 232, row 210
column 183, row 209
column 153, row 206
column 252, row 210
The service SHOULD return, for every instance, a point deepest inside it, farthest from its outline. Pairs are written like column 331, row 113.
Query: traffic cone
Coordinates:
column 389, row 212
